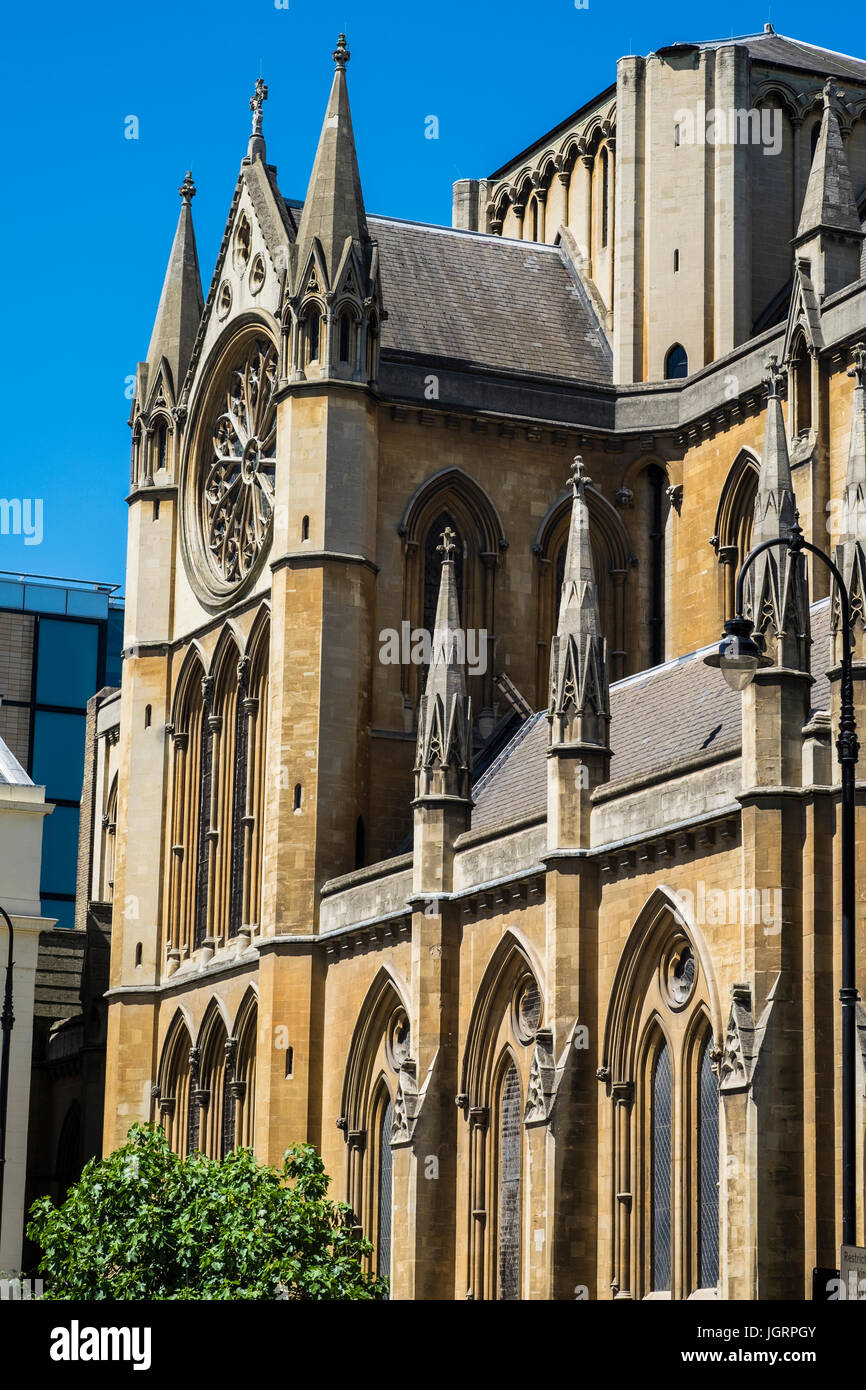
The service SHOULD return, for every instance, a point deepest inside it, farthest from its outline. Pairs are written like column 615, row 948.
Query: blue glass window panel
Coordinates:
column 58, row 755
column 11, row 595
column 114, row 646
column 64, row 912
column 60, row 850
column 43, row 599
column 84, row 603
column 662, row 1097
column 66, row 669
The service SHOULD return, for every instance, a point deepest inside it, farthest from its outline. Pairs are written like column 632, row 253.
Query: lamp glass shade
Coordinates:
column 739, row 659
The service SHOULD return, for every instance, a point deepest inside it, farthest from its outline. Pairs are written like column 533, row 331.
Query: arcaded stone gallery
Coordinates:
column 438, row 843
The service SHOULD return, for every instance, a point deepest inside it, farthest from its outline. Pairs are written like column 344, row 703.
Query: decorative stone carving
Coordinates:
column 405, row 1104
column 238, row 467
column 675, row 496
column 542, row 1071
column 739, row 1054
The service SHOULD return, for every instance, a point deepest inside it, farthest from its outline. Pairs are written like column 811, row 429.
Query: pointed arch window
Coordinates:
column 661, row 1179
column 109, row 841
column 242, row 1083
column 734, row 520
column 800, row 378
column 451, row 498
column 612, row 565
column 605, row 196
column 175, row 1078
column 347, row 338
column 215, row 812
column 506, row 1031
column 665, row 1241
column 381, row 1045
column 508, row 1219
column 162, row 445
column 676, row 363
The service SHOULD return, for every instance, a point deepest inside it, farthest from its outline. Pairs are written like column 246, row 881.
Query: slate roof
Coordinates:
column 778, row 48
column 486, row 301
column 658, row 718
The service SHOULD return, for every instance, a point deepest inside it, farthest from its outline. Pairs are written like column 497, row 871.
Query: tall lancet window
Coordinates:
column 662, row 1095
column 708, row 1159
column 510, row 1124
column 204, row 818
column 239, row 801
column 385, row 1196
column 433, row 568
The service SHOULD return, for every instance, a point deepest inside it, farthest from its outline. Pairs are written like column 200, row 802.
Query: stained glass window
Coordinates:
column 708, row 1212
column 509, row 1186
column 661, row 1172
column 386, row 1173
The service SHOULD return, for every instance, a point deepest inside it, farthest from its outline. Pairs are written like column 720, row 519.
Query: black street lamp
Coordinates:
column 6, row 1021
column 739, row 657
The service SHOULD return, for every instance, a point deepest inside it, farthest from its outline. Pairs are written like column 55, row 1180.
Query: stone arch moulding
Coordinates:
column 478, row 523
column 661, row 915
column 385, row 995
column 250, row 1002
column 733, row 525
column 512, row 959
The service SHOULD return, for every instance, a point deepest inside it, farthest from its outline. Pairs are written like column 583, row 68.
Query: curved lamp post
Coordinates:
column 6, row 1021
column 739, row 657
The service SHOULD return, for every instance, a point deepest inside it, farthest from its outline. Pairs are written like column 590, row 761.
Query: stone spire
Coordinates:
column 579, row 710
column 829, row 234
column 256, row 147
column 334, row 206
column 851, row 549
column 776, row 598
column 181, row 302
column 444, row 749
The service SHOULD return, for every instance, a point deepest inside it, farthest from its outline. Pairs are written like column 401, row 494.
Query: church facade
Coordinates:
column 437, row 842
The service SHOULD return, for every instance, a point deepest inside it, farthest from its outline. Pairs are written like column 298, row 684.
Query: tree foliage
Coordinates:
column 145, row 1223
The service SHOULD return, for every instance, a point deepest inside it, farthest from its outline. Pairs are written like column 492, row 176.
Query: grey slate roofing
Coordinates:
column 658, row 718
column 778, row 48
column 486, row 301
column 12, row 774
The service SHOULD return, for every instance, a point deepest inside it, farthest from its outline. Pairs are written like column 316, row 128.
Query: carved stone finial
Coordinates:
column 580, row 479
column 256, row 100
column 774, row 375
column 832, row 95
column 341, row 53
column 187, row 189
column 448, row 546
column 858, row 366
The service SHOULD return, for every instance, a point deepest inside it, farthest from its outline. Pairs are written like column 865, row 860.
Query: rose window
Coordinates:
column 237, row 496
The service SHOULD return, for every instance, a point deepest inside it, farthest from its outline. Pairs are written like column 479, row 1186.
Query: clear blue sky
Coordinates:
column 90, row 215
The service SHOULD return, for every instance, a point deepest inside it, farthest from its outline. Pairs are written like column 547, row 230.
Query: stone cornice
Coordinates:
column 309, row 559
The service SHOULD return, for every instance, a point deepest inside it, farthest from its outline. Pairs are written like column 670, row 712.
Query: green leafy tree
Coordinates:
column 145, row 1223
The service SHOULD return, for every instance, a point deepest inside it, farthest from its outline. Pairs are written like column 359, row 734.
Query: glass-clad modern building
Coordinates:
column 60, row 642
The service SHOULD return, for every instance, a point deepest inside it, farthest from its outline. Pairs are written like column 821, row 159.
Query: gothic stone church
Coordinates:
column 541, row 948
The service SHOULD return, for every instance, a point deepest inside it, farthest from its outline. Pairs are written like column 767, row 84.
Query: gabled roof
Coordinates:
column 486, row 301
column 660, row 719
